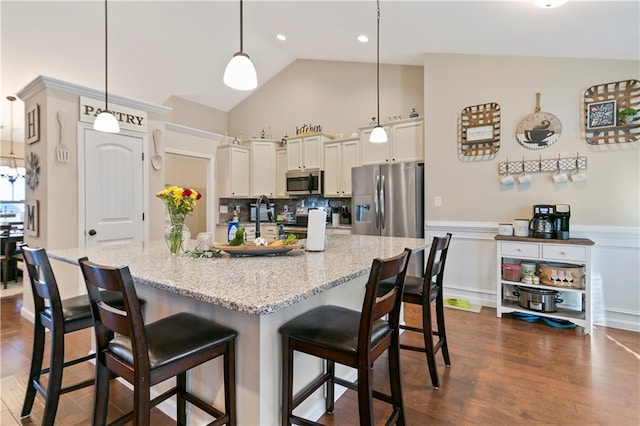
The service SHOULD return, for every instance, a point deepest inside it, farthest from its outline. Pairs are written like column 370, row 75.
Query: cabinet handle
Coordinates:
column 562, row 253
column 393, row 159
column 518, row 250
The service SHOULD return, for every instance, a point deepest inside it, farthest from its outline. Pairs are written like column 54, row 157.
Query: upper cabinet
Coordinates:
column 263, row 168
column 233, row 171
column 406, row 143
column 306, row 152
column 340, row 157
column 281, row 172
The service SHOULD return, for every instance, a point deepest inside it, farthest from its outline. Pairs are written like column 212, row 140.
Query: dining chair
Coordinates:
column 427, row 292
column 147, row 354
column 352, row 338
column 60, row 317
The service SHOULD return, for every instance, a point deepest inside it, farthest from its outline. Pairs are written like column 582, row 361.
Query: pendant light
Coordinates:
column 378, row 135
column 105, row 121
column 12, row 172
column 240, row 73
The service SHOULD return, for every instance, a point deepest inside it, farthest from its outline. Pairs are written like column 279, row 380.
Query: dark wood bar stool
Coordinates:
column 427, row 292
column 145, row 355
column 60, row 317
column 352, row 338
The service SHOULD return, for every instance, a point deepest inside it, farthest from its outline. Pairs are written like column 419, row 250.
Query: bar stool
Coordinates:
column 352, row 338
column 427, row 291
column 60, row 317
column 145, row 355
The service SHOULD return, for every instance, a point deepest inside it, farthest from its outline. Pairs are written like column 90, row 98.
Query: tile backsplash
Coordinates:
column 292, row 205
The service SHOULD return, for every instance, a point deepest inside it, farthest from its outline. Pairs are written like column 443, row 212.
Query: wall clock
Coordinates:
column 32, row 175
column 538, row 130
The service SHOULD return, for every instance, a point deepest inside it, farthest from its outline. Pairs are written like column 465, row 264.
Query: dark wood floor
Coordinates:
column 504, row 372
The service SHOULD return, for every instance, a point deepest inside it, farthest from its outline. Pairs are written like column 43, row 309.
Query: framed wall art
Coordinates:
column 480, row 129
column 31, row 220
column 601, row 114
column 32, row 124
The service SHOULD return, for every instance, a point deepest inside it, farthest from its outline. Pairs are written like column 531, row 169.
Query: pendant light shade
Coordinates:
column 240, row 73
column 105, row 121
column 378, row 135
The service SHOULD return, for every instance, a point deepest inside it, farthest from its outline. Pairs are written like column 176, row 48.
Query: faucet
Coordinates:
column 259, row 201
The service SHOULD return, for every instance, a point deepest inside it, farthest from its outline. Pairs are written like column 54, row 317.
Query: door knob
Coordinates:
column 92, row 232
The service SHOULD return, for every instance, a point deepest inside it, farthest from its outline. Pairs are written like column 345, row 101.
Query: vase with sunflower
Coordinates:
column 179, row 202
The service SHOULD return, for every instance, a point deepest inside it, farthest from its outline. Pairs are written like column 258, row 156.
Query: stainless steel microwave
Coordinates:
column 305, row 182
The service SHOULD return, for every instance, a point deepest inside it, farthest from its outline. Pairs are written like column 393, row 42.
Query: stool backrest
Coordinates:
column 434, row 272
column 43, row 282
column 374, row 307
column 108, row 319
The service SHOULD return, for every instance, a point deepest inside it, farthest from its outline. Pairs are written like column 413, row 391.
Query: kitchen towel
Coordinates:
column 316, row 230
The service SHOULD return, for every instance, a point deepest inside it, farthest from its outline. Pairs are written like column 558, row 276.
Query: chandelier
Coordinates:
column 9, row 166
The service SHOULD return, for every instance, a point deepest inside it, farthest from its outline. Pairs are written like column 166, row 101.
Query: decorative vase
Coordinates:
column 413, row 113
column 176, row 235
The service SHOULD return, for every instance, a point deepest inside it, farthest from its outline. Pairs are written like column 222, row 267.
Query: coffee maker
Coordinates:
column 542, row 225
column 562, row 215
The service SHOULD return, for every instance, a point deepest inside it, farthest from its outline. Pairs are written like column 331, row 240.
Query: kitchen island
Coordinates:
column 255, row 296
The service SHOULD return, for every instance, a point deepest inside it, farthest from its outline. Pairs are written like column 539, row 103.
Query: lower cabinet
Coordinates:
column 560, row 278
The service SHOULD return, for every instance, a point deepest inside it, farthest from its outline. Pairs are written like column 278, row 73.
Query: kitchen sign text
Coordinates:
column 129, row 118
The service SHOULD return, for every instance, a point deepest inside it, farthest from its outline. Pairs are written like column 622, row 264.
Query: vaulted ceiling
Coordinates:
column 162, row 48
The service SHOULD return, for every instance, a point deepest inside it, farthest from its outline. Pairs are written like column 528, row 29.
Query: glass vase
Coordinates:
column 176, row 236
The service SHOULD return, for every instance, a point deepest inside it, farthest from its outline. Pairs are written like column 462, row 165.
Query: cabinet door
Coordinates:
column 312, row 152
column 281, row 171
column 350, row 156
column 263, row 174
column 294, row 154
column 332, row 171
column 373, row 153
column 407, row 142
column 239, row 172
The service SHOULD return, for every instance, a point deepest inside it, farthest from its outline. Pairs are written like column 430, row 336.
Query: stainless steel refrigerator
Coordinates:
column 388, row 200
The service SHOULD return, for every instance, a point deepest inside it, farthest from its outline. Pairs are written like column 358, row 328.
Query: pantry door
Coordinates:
column 113, row 191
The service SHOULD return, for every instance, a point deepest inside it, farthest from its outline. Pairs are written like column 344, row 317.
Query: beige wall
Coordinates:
column 340, row 96
column 190, row 172
column 18, row 150
column 197, row 116
column 470, row 189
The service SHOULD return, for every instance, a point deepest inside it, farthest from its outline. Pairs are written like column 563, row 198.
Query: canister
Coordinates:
column 505, row 229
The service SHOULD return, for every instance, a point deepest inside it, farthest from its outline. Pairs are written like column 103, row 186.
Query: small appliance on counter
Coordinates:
column 542, row 225
column 563, row 213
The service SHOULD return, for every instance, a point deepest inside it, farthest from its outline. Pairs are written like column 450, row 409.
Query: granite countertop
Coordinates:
column 253, row 285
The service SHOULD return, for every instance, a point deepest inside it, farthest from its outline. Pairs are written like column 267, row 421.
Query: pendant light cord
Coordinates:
column 106, row 60
column 241, row 47
column 378, row 63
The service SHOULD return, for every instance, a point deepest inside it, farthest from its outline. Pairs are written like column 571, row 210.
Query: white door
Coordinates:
column 113, row 192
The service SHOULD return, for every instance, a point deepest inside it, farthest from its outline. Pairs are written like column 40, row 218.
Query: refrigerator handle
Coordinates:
column 376, row 202
column 382, row 212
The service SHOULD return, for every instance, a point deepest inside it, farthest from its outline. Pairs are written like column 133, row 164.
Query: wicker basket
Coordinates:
column 562, row 275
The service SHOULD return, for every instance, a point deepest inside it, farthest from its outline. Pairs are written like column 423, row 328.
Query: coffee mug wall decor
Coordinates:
column 562, row 170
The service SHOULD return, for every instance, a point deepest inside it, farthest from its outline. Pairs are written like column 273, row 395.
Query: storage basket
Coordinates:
column 562, row 275
column 511, row 272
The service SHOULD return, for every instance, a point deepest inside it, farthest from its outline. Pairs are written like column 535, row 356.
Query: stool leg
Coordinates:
column 287, row 381
column 365, row 394
column 55, row 375
column 101, row 392
column 427, row 328
column 141, row 408
column 229, row 359
column 329, row 403
column 442, row 333
column 181, row 404
column 394, row 377
column 37, row 355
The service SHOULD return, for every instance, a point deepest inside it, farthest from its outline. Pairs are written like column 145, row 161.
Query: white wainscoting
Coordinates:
column 615, row 271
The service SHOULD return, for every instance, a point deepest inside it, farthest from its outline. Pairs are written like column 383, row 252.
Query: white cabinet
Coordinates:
column 263, row 168
column 406, row 143
column 340, row 157
column 281, row 172
column 305, row 152
column 233, row 171
column 561, row 254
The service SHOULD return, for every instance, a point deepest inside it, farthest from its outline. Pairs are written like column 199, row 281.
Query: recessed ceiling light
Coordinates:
column 281, row 37
column 363, row 38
